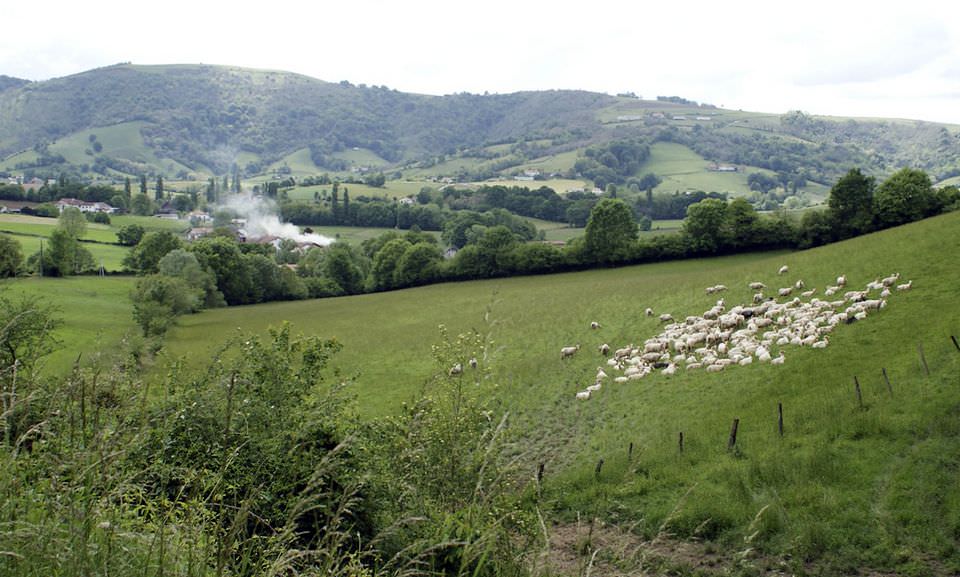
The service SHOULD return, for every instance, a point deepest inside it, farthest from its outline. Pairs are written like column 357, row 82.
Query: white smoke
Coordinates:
column 261, row 220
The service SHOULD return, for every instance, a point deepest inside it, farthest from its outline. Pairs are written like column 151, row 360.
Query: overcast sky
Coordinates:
column 890, row 59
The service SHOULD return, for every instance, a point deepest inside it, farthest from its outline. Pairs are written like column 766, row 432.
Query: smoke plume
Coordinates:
column 262, row 220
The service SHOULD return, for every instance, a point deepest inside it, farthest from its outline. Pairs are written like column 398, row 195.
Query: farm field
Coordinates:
column 392, row 189
column 837, row 486
column 96, row 313
column 848, row 485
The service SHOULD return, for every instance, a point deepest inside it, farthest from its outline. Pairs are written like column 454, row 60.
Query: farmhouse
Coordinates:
column 84, row 206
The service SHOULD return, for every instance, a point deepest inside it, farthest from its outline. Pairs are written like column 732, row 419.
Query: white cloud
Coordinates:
column 886, row 59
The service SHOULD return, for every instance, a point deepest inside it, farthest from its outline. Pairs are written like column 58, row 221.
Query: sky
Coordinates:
column 838, row 58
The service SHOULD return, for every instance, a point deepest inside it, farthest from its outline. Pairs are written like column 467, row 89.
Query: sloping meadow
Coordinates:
column 861, row 473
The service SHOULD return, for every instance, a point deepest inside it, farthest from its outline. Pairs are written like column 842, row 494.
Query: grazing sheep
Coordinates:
column 456, row 369
column 714, row 368
column 799, row 284
column 473, row 363
column 649, row 312
column 785, row 292
column 583, row 395
column 594, row 325
column 808, row 294
column 783, row 270
column 905, row 286
column 885, row 292
column 670, row 370
column 778, row 360
column 604, row 349
column 594, row 387
column 566, row 352
column 890, row 280
column 842, row 280
column 757, row 286
column 666, row 318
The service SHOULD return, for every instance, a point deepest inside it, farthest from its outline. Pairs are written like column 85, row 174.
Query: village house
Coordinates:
column 84, row 206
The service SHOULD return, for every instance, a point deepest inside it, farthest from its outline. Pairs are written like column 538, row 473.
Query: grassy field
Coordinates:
column 100, row 239
column 845, row 486
column 392, row 189
column 96, row 313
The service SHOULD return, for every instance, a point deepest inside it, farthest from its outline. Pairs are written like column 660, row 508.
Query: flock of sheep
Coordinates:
column 742, row 334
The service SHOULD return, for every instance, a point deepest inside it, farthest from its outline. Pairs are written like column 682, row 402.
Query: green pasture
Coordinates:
column 42, row 226
column 846, row 485
column 559, row 231
column 109, row 255
column 96, row 313
column 361, row 157
column 149, row 223
column 355, row 235
column 392, row 189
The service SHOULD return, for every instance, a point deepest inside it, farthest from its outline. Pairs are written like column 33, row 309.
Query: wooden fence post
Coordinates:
column 887, row 379
column 630, row 452
column 780, row 418
column 596, row 472
column 540, row 474
column 856, row 383
column 733, row 434
column 681, row 441
column 955, row 343
column 923, row 358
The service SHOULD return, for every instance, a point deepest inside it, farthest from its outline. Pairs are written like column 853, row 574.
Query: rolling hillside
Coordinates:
column 192, row 121
column 836, row 491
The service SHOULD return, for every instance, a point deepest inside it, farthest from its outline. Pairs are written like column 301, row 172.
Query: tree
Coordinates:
column 341, row 267
column 72, row 222
column 385, row 264
column 649, row 182
column 159, row 188
column 159, row 299
column 141, row 205
column 705, row 224
column 11, row 256
column 222, row 256
column 851, row 204
column 611, row 231
column 740, row 224
column 131, row 234
column 145, row 257
column 420, row 264
column 905, row 197
column 127, row 188
column 761, row 182
column 143, row 184
column 26, row 328
column 180, row 263
column 63, row 256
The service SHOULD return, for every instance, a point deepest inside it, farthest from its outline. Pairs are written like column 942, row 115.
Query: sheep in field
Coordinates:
column 783, row 270
column 567, row 352
column 594, row 325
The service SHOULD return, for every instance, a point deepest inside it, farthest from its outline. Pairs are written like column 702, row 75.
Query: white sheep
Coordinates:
column 649, row 312
column 594, row 325
column 604, row 349
column 757, row 286
column 842, row 280
column 473, row 363
column 666, row 317
column 778, row 360
column 799, row 284
column 456, row 369
column 583, row 395
column 905, row 286
column 785, row 291
column 566, row 352
column 890, row 280
column 783, row 270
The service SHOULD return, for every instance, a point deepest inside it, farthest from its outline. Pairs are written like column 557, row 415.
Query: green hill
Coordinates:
column 837, row 491
column 191, row 121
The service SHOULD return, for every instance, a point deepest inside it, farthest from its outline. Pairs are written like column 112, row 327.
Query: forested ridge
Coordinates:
column 206, row 117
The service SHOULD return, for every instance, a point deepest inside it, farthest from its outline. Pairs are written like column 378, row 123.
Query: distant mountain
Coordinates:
column 199, row 120
column 7, row 82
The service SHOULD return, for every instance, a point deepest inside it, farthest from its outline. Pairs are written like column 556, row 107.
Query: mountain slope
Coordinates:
column 202, row 120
